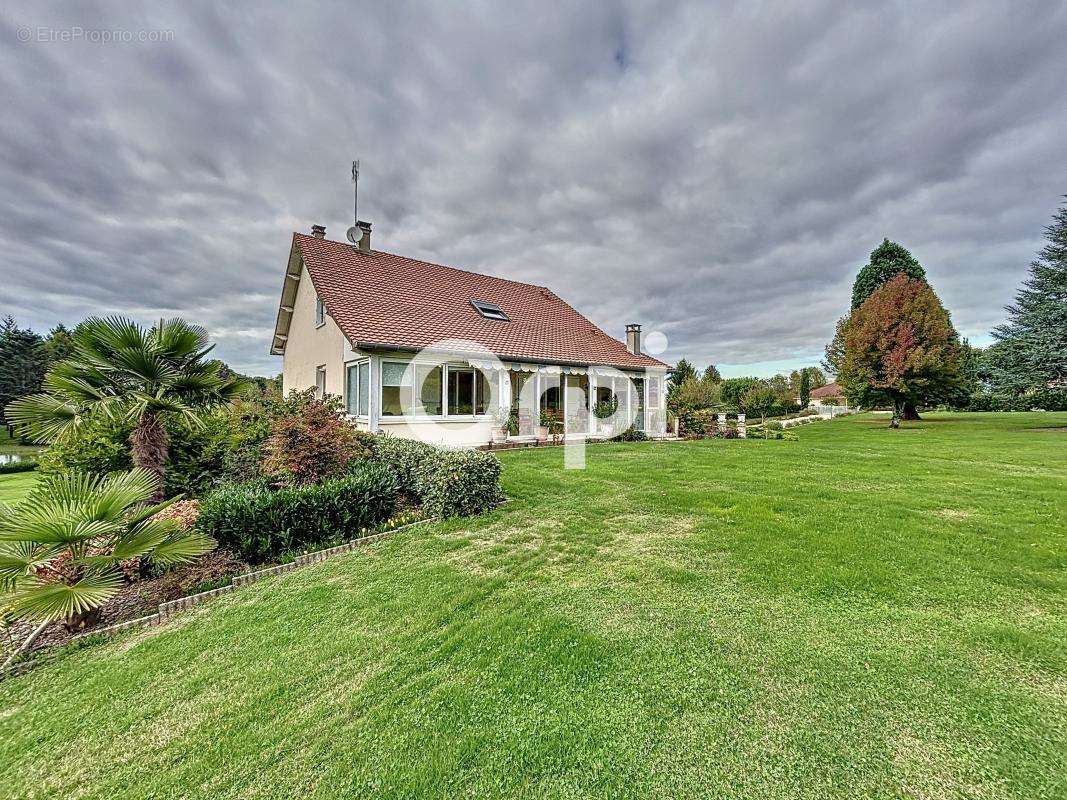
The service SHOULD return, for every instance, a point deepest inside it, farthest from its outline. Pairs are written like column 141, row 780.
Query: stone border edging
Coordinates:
column 171, row 607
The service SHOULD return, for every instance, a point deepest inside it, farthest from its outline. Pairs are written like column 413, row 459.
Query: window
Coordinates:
column 396, row 389
column 320, row 381
column 639, row 403
column 320, row 311
column 428, row 384
column 364, row 389
column 460, row 392
column 490, row 310
column 358, row 389
column 577, row 403
column 551, row 397
column 481, row 397
column 653, row 393
column 468, row 392
column 524, row 408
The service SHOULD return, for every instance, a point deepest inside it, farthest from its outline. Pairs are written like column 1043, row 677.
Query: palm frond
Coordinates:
column 18, row 559
column 52, row 601
column 182, row 546
column 115, row 493
column 139, row 516
column 34, row 528
column 43, row 417
column 145, row 366
column 180, row 339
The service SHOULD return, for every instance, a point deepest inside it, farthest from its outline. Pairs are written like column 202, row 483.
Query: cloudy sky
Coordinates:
column 715, row 171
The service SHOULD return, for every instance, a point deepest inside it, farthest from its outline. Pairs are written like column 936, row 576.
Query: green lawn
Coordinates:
column 862, row 613
column 16, row 485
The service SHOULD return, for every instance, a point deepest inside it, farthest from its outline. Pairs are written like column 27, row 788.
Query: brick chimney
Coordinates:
column 633, row 338
column 318, row 231
column 364, row 242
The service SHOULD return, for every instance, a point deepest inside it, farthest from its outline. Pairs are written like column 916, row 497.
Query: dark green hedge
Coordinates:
column 262, row 525
column 28, row 465
column 446, row 483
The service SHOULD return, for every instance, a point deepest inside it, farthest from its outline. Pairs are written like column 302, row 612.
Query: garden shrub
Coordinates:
column 459, row 483
column 262, row 525
column 697, row 424
column 631, row 434
column 26, row 465
column 313, row 445
column 98, row 445
column 1045, row 399
column 446, row 483
column 406, row 458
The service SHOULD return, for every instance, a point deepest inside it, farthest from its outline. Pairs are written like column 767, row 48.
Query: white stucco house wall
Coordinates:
column 425, row 351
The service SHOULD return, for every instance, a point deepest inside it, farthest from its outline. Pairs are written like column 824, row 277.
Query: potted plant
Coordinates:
column 501, row 419
column 551, row 425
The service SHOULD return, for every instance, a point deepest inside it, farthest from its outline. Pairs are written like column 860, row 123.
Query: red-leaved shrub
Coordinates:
column 314, row 444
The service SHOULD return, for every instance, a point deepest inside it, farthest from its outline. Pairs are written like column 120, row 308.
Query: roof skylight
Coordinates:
column 490, row 310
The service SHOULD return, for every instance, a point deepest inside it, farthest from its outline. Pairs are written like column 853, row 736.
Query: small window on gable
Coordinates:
column 320, row 382
column 320, row 311
column 490, row 310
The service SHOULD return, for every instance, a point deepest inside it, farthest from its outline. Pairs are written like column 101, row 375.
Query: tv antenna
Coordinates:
column 355, row 233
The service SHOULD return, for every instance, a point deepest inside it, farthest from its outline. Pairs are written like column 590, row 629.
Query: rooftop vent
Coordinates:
column 490, row 310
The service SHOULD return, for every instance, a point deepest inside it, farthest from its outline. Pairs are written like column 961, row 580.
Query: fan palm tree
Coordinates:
column 119, row 369
column 62, row 548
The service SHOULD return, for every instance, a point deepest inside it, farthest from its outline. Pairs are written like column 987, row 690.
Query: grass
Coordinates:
column 862, row 613
column 16, row 485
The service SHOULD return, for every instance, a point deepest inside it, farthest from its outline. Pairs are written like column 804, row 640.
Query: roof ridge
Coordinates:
column 427, row 263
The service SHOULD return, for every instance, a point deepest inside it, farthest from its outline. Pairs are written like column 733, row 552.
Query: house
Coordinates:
column 833, row 394
column 424, row 351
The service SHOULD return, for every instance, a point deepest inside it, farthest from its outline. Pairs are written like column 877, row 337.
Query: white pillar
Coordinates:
column 375, row 394
column 721, row 420
column 741, row 426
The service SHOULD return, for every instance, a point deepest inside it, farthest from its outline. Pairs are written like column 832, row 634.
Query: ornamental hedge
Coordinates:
column 446, row 483
column 27, row 465
column 261, row 524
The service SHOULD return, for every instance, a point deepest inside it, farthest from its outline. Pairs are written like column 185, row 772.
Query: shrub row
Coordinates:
column 1046, row 400
column 261, row 524
column 446, row 483
column 28, row 465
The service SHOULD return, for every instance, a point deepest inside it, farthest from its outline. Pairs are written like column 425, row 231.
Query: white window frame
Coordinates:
column 648, row 392
column 352, row 388
column 320, row 387
column 320, row 312
column 444, row 416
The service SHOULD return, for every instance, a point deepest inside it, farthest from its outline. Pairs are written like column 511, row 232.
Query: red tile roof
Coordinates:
column 829, row 390
column 383, row 299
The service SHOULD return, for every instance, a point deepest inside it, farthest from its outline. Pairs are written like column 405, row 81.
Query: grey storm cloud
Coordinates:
column 715, row 171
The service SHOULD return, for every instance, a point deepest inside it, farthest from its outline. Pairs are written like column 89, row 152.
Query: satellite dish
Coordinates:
column 355, row 233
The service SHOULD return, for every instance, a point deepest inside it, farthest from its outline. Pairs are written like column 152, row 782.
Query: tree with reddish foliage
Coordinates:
column 900, row 347
column 312, row 444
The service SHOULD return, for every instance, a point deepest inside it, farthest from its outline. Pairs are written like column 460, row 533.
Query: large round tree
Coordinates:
column 118, row 369
column 900, row 346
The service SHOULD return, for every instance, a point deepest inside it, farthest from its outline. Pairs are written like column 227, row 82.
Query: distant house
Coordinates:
column 356, row 322
column 833, row 394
